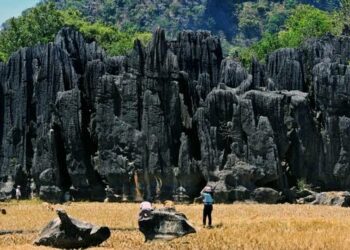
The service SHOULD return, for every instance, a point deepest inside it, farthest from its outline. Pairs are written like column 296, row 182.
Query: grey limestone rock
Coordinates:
column 68, row 233
column 51, row 193
column 341, row 199
column 265, row 195
column 164, row 224
column 173, row 113
column 232, row 73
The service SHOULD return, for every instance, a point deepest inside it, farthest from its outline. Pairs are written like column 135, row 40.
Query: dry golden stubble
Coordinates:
column 238, row 226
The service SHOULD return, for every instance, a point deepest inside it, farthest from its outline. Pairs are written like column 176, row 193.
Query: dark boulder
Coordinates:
column 66, row 232
column 51, row 193
column 7, row 189
column 164, row 224
column 304, row 193
column 47, row 177
column 265, row 195
column 240, row 193
column 3, row 197
column 307, row 199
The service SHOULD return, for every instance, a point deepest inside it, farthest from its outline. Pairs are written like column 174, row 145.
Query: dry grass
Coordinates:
column 238, row 226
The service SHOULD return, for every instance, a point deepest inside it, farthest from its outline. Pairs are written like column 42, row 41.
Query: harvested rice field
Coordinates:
column 237, row 226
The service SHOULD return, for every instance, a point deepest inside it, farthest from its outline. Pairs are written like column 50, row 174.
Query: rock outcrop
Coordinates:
column 265, row 195
column 164, row 224
column 173, row 113
column 341, row 199
column 68, row 233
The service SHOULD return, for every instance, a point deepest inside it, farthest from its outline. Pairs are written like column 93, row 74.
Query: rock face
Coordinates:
column 173, row 113
column 164, row 224
column 68, row 233
column 341, row 199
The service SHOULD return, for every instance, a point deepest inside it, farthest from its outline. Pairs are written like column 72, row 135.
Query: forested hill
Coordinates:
column 247, row 29
column 242, row 19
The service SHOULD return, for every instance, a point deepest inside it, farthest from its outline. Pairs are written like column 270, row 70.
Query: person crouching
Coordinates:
column 145, row 221
column 145, row 209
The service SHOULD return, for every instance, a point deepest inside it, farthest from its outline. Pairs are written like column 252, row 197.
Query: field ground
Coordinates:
column 239, row 226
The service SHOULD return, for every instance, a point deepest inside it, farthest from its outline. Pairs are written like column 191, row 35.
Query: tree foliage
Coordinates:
column 345, row 11
column 41, row 24
column 38, row 25
column 304, row 23
column 113, row 40
column 262, row 25
column 245, row 20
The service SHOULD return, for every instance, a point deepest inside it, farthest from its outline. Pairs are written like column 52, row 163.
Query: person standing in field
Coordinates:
column 32, row 188
column 207, row 195
column 18, row 193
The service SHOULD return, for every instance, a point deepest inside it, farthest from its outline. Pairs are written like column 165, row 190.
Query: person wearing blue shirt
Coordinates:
column 207, row 195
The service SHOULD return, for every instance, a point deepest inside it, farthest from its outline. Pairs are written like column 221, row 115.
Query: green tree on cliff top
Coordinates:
column 41, row 24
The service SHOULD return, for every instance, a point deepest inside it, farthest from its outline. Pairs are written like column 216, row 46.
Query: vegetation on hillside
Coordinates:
column 305, row 22
column 345, row 11
column 244, row 20
column 251, row 28
column 248, row 28
column 41, row 24
column 172, row 15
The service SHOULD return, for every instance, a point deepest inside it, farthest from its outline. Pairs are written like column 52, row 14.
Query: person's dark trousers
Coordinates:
column 207, row 213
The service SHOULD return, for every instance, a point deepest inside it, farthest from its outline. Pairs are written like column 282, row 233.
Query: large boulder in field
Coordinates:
column 6, row 189
column 2, row 197
column 164, row 224
column 66, row 232
column 51, row 193
column 265, row 195
column 341, row 199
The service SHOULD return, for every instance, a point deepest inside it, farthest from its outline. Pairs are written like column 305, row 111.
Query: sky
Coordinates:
column 13, row 8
